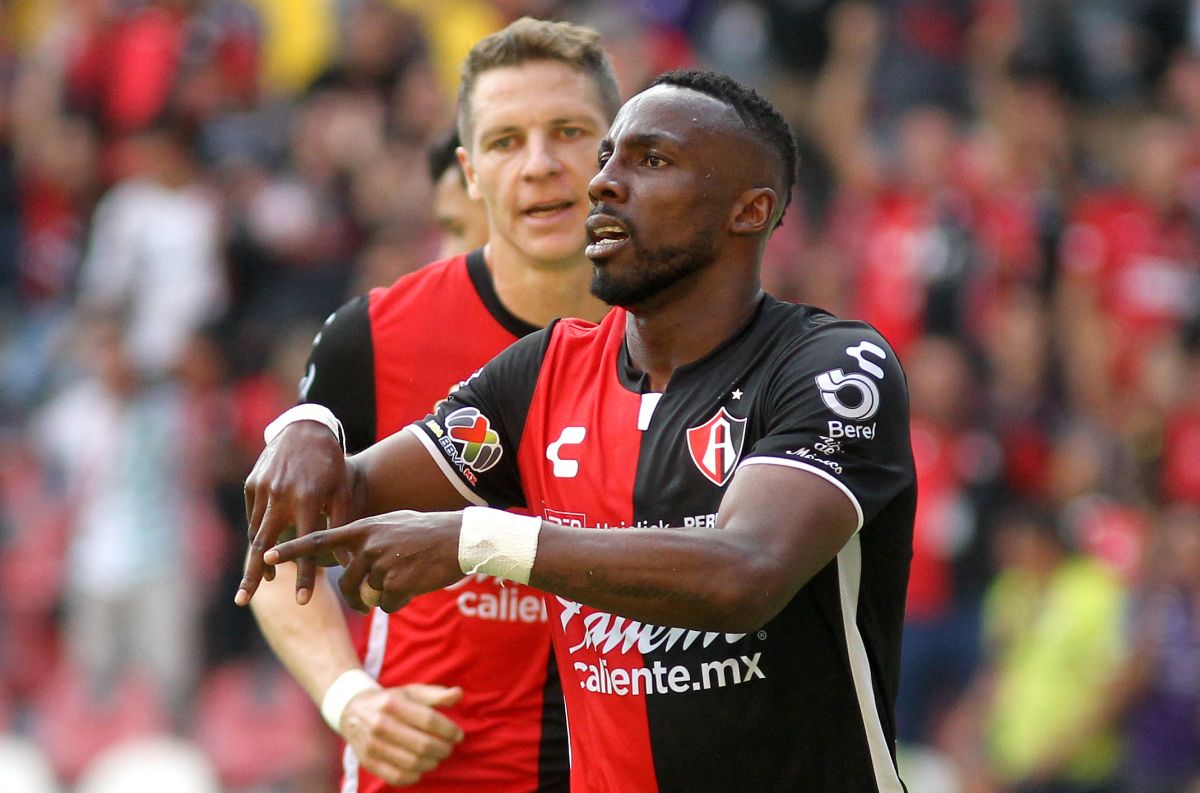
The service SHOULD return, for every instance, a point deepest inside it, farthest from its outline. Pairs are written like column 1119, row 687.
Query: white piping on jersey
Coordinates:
column 849, row 561
column 373, row 664
column 349, row 770
column 813, row 470
column 646, row 410
column 436, row 453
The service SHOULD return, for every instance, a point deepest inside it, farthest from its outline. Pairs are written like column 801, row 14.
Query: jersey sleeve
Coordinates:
column 837, row 407
column 475, row 432
column 340, row 373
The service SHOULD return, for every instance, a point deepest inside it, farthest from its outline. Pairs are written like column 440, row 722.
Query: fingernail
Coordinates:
column 271, row 556
column 302, row 596
column 241, row 598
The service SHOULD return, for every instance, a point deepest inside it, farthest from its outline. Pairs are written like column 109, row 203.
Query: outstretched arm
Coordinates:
column 776, row 528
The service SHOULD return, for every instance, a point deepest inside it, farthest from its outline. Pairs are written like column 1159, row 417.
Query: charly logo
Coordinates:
column 835, row 383
column 472, row 434
column 716, row 445
column 565, row 468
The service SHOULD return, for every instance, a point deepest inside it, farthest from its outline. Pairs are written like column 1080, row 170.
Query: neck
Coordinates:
column 684, row 326
column 537, row 292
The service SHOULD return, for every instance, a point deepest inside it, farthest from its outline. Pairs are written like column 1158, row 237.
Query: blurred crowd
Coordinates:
column 1008, row 189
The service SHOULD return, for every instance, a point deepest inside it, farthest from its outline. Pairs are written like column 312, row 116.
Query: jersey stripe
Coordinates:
column 812, row 470
column 849, row 562
column 372, row 663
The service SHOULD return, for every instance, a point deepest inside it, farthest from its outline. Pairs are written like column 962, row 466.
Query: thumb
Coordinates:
column 434, row 696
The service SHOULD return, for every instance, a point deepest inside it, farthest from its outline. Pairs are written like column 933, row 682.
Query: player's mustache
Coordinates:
column 604, row 209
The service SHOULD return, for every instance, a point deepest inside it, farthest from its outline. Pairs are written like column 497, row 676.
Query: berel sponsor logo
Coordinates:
column 854, row 431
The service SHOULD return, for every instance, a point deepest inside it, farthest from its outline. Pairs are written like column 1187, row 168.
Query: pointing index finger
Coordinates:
column 327, row 540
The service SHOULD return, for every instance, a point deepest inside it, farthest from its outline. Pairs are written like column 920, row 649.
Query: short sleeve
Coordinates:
column 475, row 432
column 340, row 373
column 837, row 406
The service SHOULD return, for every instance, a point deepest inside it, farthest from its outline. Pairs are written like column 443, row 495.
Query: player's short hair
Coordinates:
column 442, row 155
column 755, row 111
column 528, row 40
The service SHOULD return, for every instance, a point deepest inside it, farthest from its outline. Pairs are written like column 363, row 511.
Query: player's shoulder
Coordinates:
column 816, row 333
column 444, row 277
column 804, row 321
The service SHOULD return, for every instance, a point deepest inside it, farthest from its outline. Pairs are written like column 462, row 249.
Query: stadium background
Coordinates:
column 1008, row 189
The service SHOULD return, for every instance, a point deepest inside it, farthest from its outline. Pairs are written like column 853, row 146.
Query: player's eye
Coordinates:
column 505, row 142
column 570, row 132
column 653, row 161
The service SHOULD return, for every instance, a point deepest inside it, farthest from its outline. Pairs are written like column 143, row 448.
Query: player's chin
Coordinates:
column 558, row 245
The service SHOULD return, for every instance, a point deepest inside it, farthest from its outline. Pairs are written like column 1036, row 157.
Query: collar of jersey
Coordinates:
column 635, row 380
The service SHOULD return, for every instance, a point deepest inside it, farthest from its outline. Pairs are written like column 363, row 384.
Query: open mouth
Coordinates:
column 605, row 235
column 549, row 209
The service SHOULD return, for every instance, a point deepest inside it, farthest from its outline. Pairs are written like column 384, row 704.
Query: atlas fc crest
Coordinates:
column 716, row 446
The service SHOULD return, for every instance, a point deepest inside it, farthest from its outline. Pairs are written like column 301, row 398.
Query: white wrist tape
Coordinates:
column 306, row 412
column 347, row 686
column 498, row 543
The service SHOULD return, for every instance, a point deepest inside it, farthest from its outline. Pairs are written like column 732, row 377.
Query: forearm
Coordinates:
column 689, row 578
column 396, row 473
column 312, row 641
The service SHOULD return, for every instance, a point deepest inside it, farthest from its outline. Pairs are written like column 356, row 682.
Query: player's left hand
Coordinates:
column 401, row 554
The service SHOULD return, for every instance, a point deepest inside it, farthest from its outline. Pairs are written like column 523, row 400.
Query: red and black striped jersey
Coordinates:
column 381, row 361
column 562, row 424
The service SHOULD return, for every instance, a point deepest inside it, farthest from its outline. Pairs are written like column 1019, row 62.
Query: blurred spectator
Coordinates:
column 1180, row 472
column 923, row 58
column 1163, row 674
column 129, row 600
column 463, row 219
column 958, row 468
column 910, row 242
column 154, row 252
column 1052, row 624
column 1131, row 261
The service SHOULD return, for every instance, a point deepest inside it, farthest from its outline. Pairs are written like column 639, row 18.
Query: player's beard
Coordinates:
column 654, row 270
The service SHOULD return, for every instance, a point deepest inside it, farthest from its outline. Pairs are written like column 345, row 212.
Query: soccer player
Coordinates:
column 463, row 219
column 535, row 100
column 721, row 484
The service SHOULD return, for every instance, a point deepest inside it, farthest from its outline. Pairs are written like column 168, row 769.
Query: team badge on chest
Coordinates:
column 716, row 445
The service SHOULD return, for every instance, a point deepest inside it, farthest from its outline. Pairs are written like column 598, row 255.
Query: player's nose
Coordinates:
column 541, row 159
column 606, row 186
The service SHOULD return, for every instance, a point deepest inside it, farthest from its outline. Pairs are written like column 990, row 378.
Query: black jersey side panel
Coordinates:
column 340, row 373
column 788, row 684
column 554, row 766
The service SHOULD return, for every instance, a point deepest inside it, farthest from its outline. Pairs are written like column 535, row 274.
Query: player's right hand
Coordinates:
column 302, row 481
column 398, row 733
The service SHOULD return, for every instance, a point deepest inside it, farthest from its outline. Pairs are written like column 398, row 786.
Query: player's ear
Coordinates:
column 754, row 211
column 464, row 160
